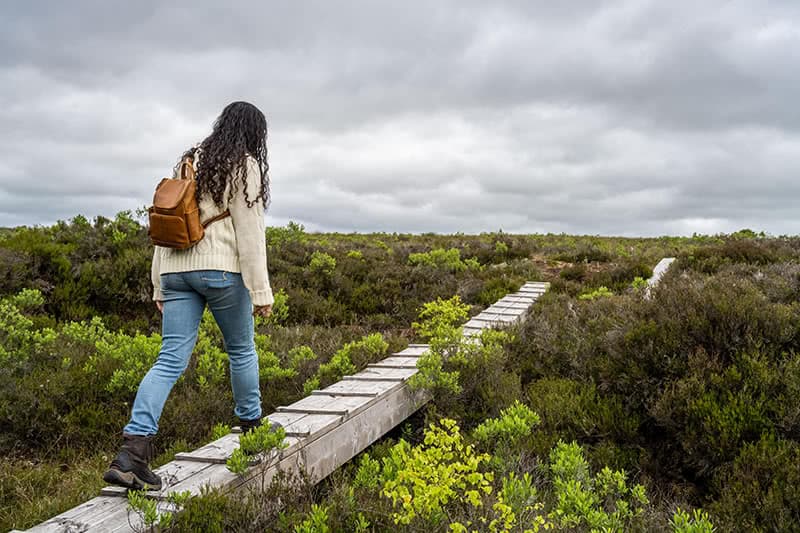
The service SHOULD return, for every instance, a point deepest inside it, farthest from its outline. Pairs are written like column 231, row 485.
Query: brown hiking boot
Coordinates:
column 129, row 468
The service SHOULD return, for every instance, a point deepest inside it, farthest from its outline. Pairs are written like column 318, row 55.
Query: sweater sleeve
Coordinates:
column 251, row 243
column 155, row 275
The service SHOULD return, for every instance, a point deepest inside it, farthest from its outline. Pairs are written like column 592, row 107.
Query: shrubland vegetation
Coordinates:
column 604, row 411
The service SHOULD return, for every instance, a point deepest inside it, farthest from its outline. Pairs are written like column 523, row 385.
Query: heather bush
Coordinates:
column 678, row 385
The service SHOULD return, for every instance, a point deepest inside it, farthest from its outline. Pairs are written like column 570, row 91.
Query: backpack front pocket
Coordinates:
column 168, row 230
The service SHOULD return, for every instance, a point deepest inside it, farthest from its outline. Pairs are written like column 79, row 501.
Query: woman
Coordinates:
column 227, row 270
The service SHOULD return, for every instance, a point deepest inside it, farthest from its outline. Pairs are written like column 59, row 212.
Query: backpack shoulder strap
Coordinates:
column 211, row 220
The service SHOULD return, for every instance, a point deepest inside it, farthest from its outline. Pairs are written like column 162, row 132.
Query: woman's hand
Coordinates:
column 160, row 306
column 262, row 310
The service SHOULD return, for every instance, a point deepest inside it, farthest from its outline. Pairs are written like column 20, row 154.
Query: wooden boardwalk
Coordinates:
column 324, row 430
column 658, row 272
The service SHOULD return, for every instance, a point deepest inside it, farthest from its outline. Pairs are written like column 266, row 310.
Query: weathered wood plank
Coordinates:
column 497, row 318
column 382, row 373
column 318, row 392
column 217, row 451
column 346, row 405
column 517, row 299
column 480, row 324
column 510, row 305
column 506, row 311
column 413, row 350
column 307, row 424
column 396, row 362
column 545, row 284
column 372, row 387
column 82, row 517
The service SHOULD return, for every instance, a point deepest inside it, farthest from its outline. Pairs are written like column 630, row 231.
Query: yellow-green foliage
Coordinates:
column 514, row 424
column 130, row 357
column 516, row 508
column 269, row 364
column 322, row 263
column 600, row 292
column 155, row 515
column 293, row 233
column 444, row 259
column 317, row 521
column 211, row 360
column 18, row 336
column 441, row 318
column 422, row 480
column 219, row 430
column 256, row 443
column 280, row 311
column 697, row 522
column 347, row 360
column 601, row 503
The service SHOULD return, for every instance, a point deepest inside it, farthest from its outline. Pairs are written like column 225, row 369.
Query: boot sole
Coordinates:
column 128, row 480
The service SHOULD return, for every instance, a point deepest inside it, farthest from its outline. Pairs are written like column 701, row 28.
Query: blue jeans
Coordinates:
column 185, row 297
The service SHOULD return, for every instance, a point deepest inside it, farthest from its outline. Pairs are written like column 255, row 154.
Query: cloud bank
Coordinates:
column 626, row 117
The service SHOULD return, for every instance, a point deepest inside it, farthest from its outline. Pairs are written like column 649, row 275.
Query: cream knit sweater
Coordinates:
column 234, row 244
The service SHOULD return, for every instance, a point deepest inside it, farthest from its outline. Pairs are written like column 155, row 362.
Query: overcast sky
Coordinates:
column 626, row 117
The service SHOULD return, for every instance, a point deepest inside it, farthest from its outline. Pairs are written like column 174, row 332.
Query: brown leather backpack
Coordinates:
column 175, row 215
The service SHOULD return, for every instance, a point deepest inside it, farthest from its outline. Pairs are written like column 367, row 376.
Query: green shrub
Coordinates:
column 514, row 424
column 280, row 236
column 439, row 318
column 444, row 259
column 347, row 360
column 322, row 263
column 355, row 254
column 760, row 490
column 422, row 481
column 600, row 292
column 577, row 272
column 601, row 502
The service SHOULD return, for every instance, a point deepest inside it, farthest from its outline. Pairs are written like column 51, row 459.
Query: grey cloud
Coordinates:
column 615, row 117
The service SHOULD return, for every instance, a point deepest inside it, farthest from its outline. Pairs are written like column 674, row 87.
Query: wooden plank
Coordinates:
column 496, row 318
column 220, row 453
column 527, row 300
column 379, row 373
column 413, row 351
column 82, row 517
column 346, row 405
column 480, row 324
column 217, row 451
column 510, row 305
column 307, row 425
column 371, row 387
column 502, row 309
column 396, row 362
column 318, row 392
column 171, row 473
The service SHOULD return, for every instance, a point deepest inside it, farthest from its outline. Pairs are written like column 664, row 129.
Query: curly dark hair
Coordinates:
column 239, row 131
